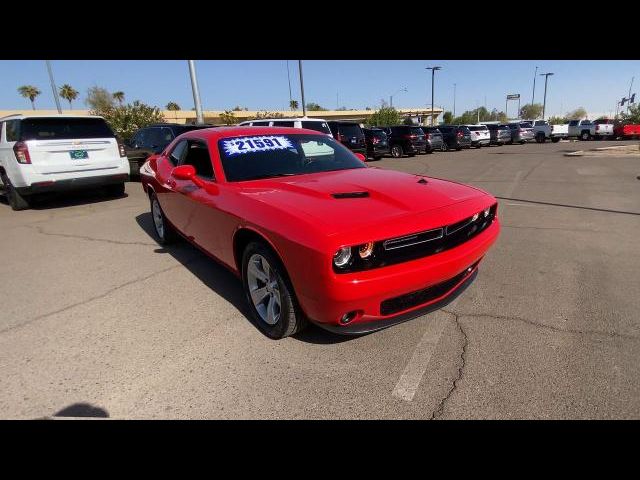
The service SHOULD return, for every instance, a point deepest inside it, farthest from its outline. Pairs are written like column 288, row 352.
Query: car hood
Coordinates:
column 350, row 199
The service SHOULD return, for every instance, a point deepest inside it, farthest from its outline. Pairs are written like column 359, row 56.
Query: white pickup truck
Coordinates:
column 542, row 131
column 586, row 129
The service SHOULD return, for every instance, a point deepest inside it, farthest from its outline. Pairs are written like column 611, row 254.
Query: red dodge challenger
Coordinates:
column 313, row 233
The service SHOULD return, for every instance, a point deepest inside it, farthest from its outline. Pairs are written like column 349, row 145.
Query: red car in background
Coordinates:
column 626, row 131
column 312, row 232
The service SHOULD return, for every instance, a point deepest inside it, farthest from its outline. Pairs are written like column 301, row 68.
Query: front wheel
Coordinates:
column 444, row 147
column 585, row 136
column 555, row 139
column 540, row 138
column 164, row 231
column 269, row 293
column 396, row 151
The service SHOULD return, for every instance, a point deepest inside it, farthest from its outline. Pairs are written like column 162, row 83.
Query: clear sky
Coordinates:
column 262, row 84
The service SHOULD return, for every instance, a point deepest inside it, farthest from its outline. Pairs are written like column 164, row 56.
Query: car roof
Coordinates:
column 20, row 116
column 302, row 119
column 217, row 133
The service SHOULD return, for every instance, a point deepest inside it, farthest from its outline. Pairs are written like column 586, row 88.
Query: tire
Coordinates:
column 377, row 158
column 165, row 233
column 540, row 138
column 444, row 147
column 277, row 314
column 411, row 154
column 555, row 139
column 478, row 146
column 16, row 201
column 584, row 136
column 396, row 151
column 115, row 190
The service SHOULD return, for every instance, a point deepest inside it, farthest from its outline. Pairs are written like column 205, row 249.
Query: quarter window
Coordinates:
column 197, row 155
column 178, row 152
column 12, row 131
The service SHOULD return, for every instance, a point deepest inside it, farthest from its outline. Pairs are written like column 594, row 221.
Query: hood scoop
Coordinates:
column 350, row 195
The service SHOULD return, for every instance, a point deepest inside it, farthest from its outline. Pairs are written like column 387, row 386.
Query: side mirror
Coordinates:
column 361, row 157
column 187, row 172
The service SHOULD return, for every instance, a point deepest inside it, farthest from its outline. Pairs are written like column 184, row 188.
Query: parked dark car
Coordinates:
column 405, row 140
column 520, row 132
column 350, row 135
column 433, row 137
column 455, row 137
column 499, row 134
column 152, row 140
column 377, row 142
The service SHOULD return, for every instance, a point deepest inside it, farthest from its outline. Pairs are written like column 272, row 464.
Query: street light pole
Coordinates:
column 53, row 87
column 304, row 107
column 544, row 104
column 403, row 89
column 454, row 100
column 196, row 92
column 433, row 74
column 289, row 80
column 533, row 95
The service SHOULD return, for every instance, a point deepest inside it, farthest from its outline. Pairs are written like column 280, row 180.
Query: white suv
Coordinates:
column 58, row 152
column 480, row 135
column 317, row 124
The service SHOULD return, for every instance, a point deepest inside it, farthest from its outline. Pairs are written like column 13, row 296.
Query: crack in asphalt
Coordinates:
column 97, row 297
column 41, row 231
column 437, row 413
column 548, row 327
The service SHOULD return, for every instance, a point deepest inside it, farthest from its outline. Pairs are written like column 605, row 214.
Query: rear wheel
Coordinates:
column 377, row 158
column 164, row 231
column 444, row 147
column 16, row 201
column 540, row 137
column 585, row 136
column 396, row 151
column 269, row 293
column 555, row 139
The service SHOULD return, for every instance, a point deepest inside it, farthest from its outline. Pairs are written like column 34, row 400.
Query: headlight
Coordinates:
column 365, row 250
column 342, row 257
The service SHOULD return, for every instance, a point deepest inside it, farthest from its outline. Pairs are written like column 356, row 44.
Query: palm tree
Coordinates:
column 30, row 92
column 68, row 93
column 293, row 104
column 119, row 96
column 173, row 106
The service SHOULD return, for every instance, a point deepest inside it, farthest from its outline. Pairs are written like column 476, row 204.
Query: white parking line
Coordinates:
column 414, row 371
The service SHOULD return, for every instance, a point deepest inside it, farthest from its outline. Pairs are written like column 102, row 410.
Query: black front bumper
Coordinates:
column 72, row 184
column 368, row 327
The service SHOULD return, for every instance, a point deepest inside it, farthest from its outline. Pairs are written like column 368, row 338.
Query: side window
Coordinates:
column 178, row 152
column 1, row 131
column 167, row 137
column 12, row 130
column 140, row 140
column 197, row 154
column 281, row 123
column 155, row 139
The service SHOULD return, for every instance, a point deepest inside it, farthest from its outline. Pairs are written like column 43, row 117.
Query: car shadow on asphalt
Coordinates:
column 224, row 283
column 82, row 410
column 68, row 199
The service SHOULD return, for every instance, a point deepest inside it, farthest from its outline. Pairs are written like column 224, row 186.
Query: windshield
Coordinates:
column 64, row 128
column 267, row 156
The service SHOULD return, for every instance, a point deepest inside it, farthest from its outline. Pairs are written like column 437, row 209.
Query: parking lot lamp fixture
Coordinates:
column 544, row 103
column 196, row 92
column 433, row 73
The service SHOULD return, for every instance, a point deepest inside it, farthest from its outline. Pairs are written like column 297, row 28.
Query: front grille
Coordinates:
column 419, row 297
column 421, row 244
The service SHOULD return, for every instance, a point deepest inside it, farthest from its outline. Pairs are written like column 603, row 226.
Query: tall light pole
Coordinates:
column 433, row 74
column 304, row 106
column 53, row 87
column 454, row 100
column 629, row 97
column 403, row 89
column 196, row 92
column 289, row 80
column 533, row 95
column 544, row 104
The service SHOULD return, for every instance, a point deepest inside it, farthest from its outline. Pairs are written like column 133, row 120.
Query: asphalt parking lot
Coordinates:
column 99, row 320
